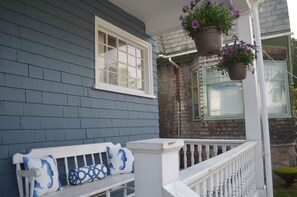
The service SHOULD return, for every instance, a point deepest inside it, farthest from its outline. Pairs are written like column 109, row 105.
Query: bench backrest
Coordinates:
column 65, row 156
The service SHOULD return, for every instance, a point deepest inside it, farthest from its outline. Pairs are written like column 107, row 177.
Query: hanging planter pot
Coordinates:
column 208, row 42
column 237, row 71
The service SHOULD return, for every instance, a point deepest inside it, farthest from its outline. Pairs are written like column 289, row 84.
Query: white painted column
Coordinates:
column 251, row 102
column 156, row 165
column 265, row 123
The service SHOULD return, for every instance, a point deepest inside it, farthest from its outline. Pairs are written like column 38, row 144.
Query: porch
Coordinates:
column 189, row 167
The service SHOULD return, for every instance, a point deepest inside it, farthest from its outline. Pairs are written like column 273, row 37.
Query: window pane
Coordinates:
column 102, row 49
column 132, row 72
column 123, row 81
column 112, row 41
column 140, row 85
column 123, row 70
column 102, row 76
column 113, row 67
column 225, row 99
column 123, row 57
column 101, row 62
column 122, row 46
column 131, row 50
column 112, row 53
column 139, row 53
column 132, row 83
column 131, row 60
column 102, row 37
column 113, row 78
column 139, row 74
column 139, row 63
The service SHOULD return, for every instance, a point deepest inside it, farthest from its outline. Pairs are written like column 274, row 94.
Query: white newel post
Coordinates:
column 251, row 104
column 156, row 165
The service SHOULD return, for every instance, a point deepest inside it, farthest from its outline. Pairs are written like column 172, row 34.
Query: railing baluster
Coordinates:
column 192, row 148
column 185, row 156
column 207, row 151
column 200, row 153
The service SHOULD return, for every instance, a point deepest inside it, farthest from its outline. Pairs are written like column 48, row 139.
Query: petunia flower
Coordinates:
column 237, row 14
column 192, row 4
column 181, row 17
column 186, row 8
column 195, row 24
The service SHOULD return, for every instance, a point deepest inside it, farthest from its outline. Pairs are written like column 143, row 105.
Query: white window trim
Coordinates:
column 101, row 24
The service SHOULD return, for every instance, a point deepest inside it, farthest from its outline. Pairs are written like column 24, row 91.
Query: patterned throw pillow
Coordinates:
column 120, row 160
column 87, row 174
column 49, row 179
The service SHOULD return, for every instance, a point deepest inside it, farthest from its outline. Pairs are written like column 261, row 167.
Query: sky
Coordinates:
column 292, row 5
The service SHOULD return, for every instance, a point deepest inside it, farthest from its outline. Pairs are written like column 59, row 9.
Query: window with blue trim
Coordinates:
column 223, row 98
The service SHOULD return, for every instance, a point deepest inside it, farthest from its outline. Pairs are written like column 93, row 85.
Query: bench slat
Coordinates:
column 96, row 187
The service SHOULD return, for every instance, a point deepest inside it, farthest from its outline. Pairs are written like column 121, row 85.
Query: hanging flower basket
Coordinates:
column 237, row 71
column 237, row 59
column 208, row 42
column 206, row 21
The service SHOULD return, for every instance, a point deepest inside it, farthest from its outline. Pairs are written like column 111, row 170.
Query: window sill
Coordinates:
column 122, row 90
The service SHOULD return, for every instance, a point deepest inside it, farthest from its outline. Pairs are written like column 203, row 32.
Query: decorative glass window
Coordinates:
column 223, row 98
column 277, row 92
column 123, row 62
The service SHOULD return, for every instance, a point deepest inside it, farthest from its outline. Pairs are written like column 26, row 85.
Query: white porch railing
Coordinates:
column 197, row 150
column 229, row 174
column 157, row 168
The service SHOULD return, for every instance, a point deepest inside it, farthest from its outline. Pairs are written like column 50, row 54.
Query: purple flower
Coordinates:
column 209, row 3
column 196, row 1
column 181, row 17
column 237, row 14
column 195, row 24
column 192, row 4
column 231, row 7
column 186, row 8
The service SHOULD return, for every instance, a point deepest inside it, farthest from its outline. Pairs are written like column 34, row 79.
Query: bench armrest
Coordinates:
column 33, row 172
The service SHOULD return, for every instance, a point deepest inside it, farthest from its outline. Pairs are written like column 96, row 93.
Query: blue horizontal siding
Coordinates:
column 46, row 81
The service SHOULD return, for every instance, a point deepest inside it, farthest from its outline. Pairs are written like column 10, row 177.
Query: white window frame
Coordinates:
column 104, row 26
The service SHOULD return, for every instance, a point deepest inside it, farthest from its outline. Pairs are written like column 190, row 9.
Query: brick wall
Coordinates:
column 282, row 131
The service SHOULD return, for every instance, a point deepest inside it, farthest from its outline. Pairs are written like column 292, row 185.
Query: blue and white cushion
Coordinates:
column 87, row 174
column 49, row 179
column 120, row 160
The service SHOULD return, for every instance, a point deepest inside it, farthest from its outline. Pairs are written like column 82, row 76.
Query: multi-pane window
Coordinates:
column 223, row 98
column 123, row 61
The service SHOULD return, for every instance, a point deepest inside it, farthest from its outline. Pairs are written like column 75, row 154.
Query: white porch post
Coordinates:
column 251, row 104
column 156, row 165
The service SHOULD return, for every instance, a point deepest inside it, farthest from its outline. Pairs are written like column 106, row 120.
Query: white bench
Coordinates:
column 67, row 156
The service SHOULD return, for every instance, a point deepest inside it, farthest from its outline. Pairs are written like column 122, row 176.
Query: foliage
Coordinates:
column 294, row 58
column 288, row 174
column 294, row 100
column 239, row 52
column 200, row 15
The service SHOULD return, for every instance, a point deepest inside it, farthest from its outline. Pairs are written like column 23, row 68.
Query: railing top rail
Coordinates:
column 214, row 141
column 205, row 169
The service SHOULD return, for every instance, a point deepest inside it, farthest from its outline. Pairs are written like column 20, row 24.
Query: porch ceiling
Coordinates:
column 162, row 16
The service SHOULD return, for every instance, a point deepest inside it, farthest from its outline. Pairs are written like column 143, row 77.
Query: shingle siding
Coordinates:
column 47, row 63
